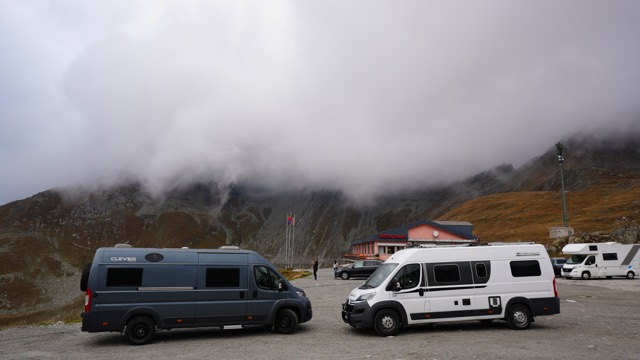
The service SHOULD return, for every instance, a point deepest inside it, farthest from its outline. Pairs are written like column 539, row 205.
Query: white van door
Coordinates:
column 451, row 292
column 407, row 287
column 591, row 266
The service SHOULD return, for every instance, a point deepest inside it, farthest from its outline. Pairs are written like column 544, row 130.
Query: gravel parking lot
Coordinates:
column 599, row 319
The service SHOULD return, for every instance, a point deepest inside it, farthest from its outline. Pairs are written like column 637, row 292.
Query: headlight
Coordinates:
column 366, row 297
column 301, row 293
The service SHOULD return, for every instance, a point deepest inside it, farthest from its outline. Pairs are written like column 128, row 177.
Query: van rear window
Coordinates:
column 525, row 268
column 124, row 277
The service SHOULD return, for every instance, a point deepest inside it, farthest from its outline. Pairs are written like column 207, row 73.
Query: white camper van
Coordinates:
column 430, row 285
column 601, row 260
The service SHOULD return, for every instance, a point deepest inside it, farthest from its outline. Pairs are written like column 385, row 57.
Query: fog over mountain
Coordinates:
column 364, row 97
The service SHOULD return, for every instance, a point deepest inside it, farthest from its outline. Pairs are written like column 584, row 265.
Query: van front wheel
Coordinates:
column 140, row 330
column 519, row 317
column 286, row 321
column 387, row 322
column 586, row 275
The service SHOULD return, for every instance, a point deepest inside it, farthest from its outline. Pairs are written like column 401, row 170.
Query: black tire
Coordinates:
column 84, row 278
column 387, row 322
column 345, row 276
column 631, row 275
column 519, row 317
column 585, row 275
column 286, row 321
column 140, row 330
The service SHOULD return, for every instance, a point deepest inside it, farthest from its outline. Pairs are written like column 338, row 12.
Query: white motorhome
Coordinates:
column 430, row 285
column 601, row 260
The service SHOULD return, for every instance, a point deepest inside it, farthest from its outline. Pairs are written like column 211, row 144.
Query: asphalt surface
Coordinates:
column 599, row 319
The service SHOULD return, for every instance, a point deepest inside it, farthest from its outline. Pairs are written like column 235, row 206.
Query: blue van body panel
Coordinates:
column 184, row 288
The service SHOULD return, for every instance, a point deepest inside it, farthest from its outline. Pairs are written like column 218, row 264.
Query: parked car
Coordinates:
column 557, row 265
column 362, row 268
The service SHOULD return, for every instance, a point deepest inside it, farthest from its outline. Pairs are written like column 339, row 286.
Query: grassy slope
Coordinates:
column 527, row 216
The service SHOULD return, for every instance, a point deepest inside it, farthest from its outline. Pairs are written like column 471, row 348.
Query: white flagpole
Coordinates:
column 293, row 238
column 286, row 243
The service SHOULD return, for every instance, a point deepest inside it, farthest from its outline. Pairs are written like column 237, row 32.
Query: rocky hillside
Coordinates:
column 45, row 239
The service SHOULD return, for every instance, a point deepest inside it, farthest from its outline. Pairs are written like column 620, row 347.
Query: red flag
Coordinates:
column 289, row 219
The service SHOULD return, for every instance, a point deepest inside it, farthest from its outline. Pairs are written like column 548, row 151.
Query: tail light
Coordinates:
column 555, row 291
column 88, row 298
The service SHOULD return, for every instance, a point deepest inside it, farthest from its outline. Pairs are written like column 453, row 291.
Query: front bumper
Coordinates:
column 357, row 314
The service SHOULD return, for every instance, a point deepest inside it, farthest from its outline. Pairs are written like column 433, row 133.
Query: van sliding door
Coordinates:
column 222, row 292
column 450, row 291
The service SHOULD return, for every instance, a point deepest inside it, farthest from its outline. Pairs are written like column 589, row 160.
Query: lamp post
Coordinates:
column 560, row 154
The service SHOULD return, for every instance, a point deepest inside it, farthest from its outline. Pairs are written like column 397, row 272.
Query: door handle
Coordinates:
column 241, row 294
column 255, row 294
column 421, row 291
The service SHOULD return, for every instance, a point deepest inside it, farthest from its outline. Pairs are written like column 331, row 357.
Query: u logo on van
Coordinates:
column 494, row 302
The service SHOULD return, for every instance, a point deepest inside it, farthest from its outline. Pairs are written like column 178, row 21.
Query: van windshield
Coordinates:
column 576, row 259
column 379, row 276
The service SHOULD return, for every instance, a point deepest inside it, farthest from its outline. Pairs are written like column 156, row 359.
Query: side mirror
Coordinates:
column 282, row 286
column 394, row 286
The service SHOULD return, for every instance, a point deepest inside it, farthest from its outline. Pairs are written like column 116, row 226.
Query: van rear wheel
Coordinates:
column 631, row 275
column 286, row 321
column 387, row 322
column 519, row 317
column 140, row 330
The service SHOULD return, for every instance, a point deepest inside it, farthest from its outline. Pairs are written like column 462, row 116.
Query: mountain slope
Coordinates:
column 45, row 239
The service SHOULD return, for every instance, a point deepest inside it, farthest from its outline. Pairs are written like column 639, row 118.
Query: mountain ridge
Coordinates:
column 45, row 239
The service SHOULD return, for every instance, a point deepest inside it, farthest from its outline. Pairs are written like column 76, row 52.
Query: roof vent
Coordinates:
column 122, row 246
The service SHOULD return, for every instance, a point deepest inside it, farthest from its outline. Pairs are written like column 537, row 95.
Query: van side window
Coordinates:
column 609, row 256
column 481, row 270
column 123, row 277
column 408, row 276
column 223, row 278
column 266, row 278
column 446, row 273
column 525, row 268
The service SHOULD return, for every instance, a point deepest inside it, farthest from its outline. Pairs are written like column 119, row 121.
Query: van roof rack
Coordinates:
column 510, row 243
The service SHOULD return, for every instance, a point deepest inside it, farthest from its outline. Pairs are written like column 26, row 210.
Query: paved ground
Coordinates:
column 600, row 319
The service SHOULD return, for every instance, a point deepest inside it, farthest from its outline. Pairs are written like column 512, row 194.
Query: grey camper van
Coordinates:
column 140, row 290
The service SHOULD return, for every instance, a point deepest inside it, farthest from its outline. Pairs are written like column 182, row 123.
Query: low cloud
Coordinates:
column 362, row 97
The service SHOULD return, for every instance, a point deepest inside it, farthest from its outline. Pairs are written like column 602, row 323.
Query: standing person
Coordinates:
column 315, row 268
column 335, row 269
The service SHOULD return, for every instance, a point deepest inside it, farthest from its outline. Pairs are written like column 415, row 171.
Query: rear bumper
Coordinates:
column 90, row 323
column 545, row 306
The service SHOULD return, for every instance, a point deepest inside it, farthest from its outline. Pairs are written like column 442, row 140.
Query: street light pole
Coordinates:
column 560, row 154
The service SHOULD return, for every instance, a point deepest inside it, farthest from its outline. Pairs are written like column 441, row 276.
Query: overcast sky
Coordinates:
column 358, row 96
